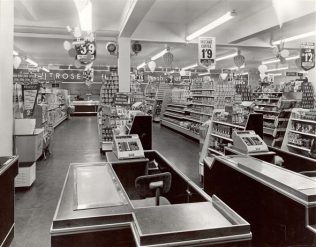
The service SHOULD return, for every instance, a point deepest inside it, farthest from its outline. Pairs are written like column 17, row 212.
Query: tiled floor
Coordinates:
column 76, row 140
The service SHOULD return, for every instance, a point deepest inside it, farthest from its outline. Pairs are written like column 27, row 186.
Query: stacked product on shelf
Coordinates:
column 308, row 100
column 109, row 88
column 163, row 87
column 224, row 93
column 244, row 90
column 274, row 118
column 175, row 117
column 301, row 131
column 150, row 98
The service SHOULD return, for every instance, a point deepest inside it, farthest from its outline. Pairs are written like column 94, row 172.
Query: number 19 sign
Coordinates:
column 308, row 55
column 207, row 52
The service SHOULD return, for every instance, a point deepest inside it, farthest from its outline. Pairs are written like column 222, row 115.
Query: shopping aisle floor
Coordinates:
column 76, row 140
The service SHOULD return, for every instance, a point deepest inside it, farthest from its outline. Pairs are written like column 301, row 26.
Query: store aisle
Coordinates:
column 76, row 140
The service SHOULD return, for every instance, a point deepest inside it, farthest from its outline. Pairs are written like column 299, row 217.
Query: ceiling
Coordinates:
column 40, row 28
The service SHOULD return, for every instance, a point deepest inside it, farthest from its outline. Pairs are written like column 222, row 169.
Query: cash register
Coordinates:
column 248, row 142
column 128, row 147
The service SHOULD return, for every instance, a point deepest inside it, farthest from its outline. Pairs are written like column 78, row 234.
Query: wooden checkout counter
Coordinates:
column 279, row 204
column 8, row 171
column 96, row 208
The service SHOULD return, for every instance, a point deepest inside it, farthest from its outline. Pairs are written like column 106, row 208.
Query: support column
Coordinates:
column 6, row 77
column 124, row 64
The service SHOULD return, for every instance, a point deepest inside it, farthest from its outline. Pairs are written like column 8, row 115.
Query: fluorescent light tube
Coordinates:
column 277, row 69
column 141, row 65
column 226, row 57
column 235, row 67
column 229, row 15
column 15, row 53
column 300, row 36
column 190, row 66
column 245, row 73
column 158, row 55
column 30, row 61
column 276, row 74
column 45, row 69
column 84, row 9
column 278, row 60
column 206, row 73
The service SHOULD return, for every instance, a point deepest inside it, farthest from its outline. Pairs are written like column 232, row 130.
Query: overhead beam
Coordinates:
column 135, row 11
column 28, row 9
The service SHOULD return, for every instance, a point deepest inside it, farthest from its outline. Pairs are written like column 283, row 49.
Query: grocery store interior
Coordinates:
column 157, row 123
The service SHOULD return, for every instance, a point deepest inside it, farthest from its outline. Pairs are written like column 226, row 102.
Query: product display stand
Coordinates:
column 163, row 87
column 300, row 132
column 219, row 134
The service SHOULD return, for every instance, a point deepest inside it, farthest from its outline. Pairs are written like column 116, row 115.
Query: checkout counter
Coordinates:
column 8, row 171
column 89, row 107
column 97, row 207
column 279, row 204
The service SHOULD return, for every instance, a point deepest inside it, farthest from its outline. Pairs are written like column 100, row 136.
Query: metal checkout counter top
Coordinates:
column 8, row 171
column 96, row 209
column 279, row 204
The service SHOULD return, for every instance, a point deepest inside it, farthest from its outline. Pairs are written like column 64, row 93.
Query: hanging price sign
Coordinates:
column 207, row 52
column 86, row 51
column 308, row 55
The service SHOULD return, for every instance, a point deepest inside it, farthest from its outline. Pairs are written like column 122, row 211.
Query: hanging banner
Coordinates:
column 308, row 55
column 29, row 94
column 207, row 52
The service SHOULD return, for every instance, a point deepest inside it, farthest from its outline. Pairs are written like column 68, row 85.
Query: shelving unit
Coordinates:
column 109, row 88
column 163, row 87
column 301, row 131
column 220, row 129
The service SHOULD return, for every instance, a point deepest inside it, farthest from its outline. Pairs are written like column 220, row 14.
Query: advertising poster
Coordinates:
column 29, row 94
column 207, row 52
column 308, row 55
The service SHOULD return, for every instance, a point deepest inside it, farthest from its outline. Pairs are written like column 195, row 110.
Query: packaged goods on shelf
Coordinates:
column 109, row 88
column 300, row 132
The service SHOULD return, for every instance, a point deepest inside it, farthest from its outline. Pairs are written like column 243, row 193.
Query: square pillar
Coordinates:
column 6, row 77
column 124, row 64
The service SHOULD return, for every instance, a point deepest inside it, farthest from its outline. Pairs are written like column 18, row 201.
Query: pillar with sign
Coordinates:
column 124, row 64
column 6, row 77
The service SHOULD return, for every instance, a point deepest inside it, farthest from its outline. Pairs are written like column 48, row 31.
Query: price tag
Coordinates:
column 86, row 51
column 308, row 55
column 207, row 52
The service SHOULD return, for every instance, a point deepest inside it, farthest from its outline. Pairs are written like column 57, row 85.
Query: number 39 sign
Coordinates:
column 207, row 52
column 86, row 51
column 308, row 55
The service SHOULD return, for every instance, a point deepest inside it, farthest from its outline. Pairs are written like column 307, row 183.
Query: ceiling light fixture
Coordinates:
column 229, row 15
column 206, row 73
column 15, row 53
column 30, row 61
column 45, row 69
column 275, row 74
column 277, row 69
column 300, row 36
column 158, row 55
column 235, row 67
column 84, row 9
column 226, row 57
column 141, row 65
column 278, row 60
column 245, row 73
column 190, row 66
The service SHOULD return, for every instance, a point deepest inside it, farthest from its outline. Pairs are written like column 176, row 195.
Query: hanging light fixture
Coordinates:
column 228, row 16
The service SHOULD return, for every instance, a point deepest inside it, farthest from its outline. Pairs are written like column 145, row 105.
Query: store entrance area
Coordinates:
column 76, row 141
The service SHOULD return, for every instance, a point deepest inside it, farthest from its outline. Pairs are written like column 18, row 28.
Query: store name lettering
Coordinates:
column 66, row 76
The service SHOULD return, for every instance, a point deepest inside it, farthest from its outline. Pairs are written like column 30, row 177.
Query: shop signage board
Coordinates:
column 308, row 55
column 121, row 99
column 29, row 94
column 207, row 52
column 291, row 73
column 63, row 76
column 86, row 50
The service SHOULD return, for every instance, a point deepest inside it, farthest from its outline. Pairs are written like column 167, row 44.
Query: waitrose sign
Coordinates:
column 65, row 76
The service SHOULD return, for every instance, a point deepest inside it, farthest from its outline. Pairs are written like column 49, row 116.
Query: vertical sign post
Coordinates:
column 207, row 52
